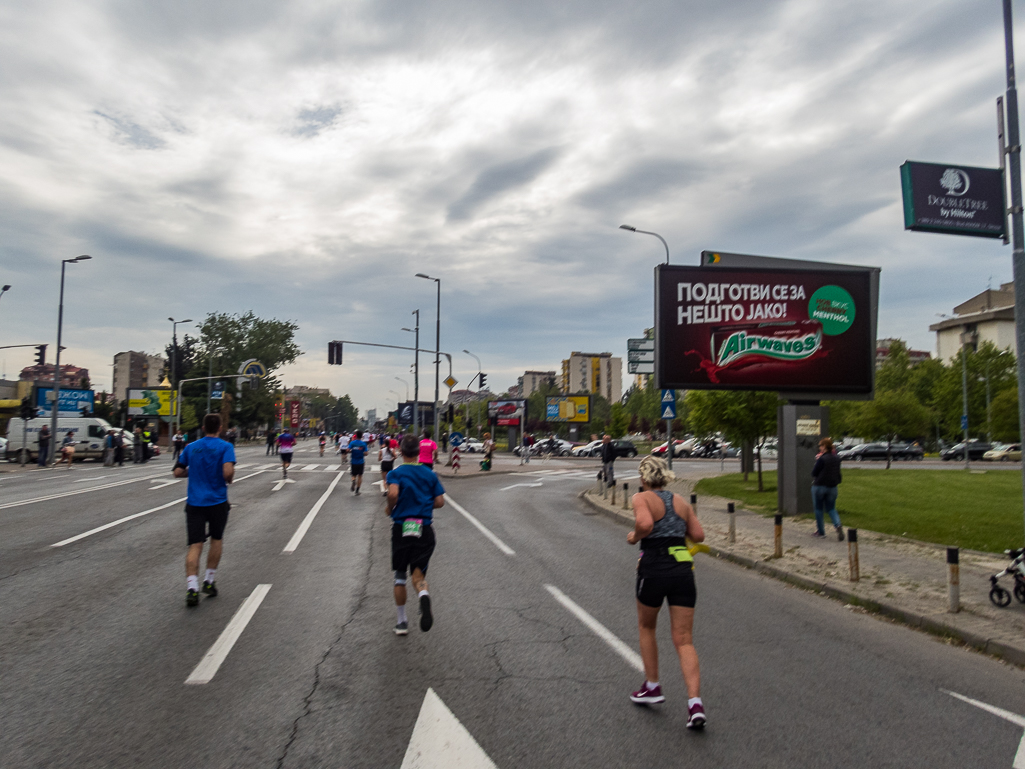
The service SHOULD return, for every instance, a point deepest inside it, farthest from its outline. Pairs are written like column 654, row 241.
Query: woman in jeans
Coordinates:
column 663, row 522
column 825, row 478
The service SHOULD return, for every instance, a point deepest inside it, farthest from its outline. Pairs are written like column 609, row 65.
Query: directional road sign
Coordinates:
column 640, row 356
column 640, row 368
column 456, row 438
column 640, row 344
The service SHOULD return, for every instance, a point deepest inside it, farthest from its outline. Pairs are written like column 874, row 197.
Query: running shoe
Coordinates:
column 839, row 533
column 697, row 716
column 402, row 628
column 426, row 618
column 192, row 598
column 210, row 588
column 284, row 473
column 357, row 492
column 648, row 695
column 818, row 535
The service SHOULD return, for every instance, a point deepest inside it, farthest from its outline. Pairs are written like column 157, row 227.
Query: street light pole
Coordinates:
column 416, row 373
column 646, row 232
column 54, row 406
column 478, row 389
column 176, row 420
column 406, row 384
column 437, row 356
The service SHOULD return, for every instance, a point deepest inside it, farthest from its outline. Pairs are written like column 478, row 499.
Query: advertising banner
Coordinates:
column 725, row 328
column 425, row 413
column 957, row 200
column 294, row 413
column 570, row 408
column 507, row 413
column 70, row 404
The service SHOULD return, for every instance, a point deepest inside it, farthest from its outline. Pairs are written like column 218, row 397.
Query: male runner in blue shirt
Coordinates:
column 209, row 464
column 357, row 459
column 414, row 492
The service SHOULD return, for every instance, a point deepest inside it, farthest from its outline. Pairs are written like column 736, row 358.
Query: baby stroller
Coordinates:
column 998, row 595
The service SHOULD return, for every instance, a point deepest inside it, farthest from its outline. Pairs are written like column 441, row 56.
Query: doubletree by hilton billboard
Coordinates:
column 957, row 200
column 794, row 331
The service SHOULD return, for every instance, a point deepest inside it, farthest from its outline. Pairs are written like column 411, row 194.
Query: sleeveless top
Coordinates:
column 668, row 527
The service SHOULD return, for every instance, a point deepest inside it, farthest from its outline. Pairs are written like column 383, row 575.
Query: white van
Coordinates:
column 89, row 434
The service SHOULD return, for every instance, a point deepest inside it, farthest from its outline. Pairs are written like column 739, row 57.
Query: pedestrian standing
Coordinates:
column 108, row 449
column 67, row 451
column 608, row 458
column 414, row 493
column 44, row 445
column 137, row 446
column 272, row 437
column 209, row 464
column 663, row 522
column 428, row 450
column 826, row 477
column 119, row 448
column 488, row 448
column 178, row 443
column 147, row 439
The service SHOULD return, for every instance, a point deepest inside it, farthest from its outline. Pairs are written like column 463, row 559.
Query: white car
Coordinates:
column 3, row 448
column 586, row 450
column 471, row 446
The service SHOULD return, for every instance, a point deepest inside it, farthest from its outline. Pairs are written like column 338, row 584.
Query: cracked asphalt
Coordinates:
column 96, row 643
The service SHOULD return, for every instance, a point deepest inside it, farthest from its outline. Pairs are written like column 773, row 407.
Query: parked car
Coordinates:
column 623, row 447
column 878, row 451
column 89, row 435
column 587, row 450
column 554, row 446
column 660, row 450
column 1010, row 452
column 471, row 446
column 976, row 450
column 3, row 448
column 767, row 450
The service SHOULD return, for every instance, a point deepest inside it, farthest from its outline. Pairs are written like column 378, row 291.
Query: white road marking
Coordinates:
column 212, row 660
column 293, row 543
column 439, row 741
column 86, row 480
column 483, row 529
column 249, row 476
column 518, row 485
column 632, row 658
column 1014, row 718
column 77, row 491
column 110, row 525
column 166, row 482
column 309, row 468
column 280, row 484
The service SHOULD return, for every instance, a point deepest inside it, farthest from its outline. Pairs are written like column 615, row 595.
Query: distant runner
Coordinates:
column 386, row 456
column 209, row 464
column 359, row 453
column 414, row 492
column 428, row 450
column 343, row 447
column 323, row 442
column 286, row 445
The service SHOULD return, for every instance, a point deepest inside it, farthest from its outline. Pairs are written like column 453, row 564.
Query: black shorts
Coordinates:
column 408, row 553
column 198, row 518
column 664, row 579
column 286, row 456
column 386, row 466
column 356, row 470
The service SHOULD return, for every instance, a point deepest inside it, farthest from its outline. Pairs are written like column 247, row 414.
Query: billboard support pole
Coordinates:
column 1018, row 237
column 669, row 443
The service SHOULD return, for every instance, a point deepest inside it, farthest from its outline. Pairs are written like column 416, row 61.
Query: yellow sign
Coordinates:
column 451, row 382
column 155, row 403
column 570, row 408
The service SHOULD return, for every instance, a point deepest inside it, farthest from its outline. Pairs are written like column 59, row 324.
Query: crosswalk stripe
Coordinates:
column 309, row 468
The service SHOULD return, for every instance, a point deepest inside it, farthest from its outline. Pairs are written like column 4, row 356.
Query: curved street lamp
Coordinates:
column 646, row 232
column 55, row 405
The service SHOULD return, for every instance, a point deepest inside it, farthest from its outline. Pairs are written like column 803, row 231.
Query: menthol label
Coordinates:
column 833, row 307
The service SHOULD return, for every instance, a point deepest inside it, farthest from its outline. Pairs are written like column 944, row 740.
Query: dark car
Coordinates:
column 624, row 448
column 975, row 450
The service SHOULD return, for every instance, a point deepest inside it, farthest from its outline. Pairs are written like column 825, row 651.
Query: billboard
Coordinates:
column 569, row 408
column 70, row 405
column 425, row 413
column 957, row 200
column 789, row 330
column 507, row 413
column 150, row 403
column 294, row 413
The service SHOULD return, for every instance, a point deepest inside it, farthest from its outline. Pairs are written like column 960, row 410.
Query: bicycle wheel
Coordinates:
column 1000, row 597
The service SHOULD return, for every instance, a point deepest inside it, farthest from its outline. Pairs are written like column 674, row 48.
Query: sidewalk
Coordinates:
column 903, row 579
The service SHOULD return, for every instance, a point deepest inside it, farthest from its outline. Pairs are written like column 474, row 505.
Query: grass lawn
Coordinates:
column 948, row 507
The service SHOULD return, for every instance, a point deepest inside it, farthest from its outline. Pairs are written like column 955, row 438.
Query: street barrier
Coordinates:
column 732, row 510
column 953, row 580
column 455, row 459
column 778, row 526
column 852, row 554
column 626, row 496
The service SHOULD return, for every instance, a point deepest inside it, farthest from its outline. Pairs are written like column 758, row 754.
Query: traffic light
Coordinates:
column 27, row 410
column 483, row 382
column 450, row 417
column 40, row 354
column 334, row 353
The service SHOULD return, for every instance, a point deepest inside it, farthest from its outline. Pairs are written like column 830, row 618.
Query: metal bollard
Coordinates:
column 694, row 502
column 953, row 580
column 598, row 490
column 731, row 510
column 613, row 495
column 852, row 554
column 779, row 536
column 626, row 496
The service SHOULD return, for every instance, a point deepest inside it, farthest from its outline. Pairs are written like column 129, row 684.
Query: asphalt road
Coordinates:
column 96, row 642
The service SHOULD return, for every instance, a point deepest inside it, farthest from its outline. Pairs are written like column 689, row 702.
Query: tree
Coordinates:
column 739, row 415
column 1004, row 411
column 892, row 415
column 620, row 419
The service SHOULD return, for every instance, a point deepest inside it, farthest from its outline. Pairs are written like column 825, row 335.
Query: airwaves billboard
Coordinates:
column 794, row 331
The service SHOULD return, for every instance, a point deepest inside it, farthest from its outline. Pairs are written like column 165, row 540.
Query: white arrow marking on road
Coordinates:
column 162, row 484
column 1014, row 718
column 527, row 485
column 480, row 526
column 439, row 741
column 211, row 662
column 293, row 543
column 278, row 486
column 620, row 648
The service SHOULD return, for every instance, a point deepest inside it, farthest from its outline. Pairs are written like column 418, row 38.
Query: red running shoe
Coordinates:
column 648, row 695
column 697, row 716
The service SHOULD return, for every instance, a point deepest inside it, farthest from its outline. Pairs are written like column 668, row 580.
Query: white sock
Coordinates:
column 422, row 593
column 210, row 575
column 402, row 614
column 693, row 701
column 193, row 582
column 651, row 684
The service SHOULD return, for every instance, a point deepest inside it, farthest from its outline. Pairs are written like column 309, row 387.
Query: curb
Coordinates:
column 930, row 623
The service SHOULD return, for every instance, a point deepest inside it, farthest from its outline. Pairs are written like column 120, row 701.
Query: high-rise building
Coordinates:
column 986, row 317
column 71, row 376
column 135, row 370
column 598, row 373
column 531, row 381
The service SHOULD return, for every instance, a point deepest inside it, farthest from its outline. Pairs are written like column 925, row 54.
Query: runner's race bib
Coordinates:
column 412, row 527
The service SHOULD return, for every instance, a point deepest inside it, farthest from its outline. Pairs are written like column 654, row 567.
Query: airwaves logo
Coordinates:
column 741, row 344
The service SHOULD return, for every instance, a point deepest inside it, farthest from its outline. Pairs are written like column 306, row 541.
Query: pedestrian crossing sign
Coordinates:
column 669, row 396
column 669, row 412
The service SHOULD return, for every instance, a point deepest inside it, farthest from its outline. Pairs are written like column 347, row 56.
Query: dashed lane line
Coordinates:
column 207, row 668
column 481, row 527
column 293, row 543
column 78, row 491
column 619, row 647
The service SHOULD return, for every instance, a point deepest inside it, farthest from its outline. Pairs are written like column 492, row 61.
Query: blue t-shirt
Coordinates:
column 359, row 452
column 418, row 486
column 205, row 459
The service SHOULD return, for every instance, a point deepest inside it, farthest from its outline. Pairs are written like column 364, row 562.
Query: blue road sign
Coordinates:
column 456, row 439
column 964, row 421
column 668, row 404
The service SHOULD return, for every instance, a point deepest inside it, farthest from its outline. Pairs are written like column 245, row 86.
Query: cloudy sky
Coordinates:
column 305, row 159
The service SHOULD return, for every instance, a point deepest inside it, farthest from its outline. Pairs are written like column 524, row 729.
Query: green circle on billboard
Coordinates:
column 833, row 307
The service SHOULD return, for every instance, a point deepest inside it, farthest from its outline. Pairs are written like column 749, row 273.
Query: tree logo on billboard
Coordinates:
column 955, row 181
column 833, row 307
